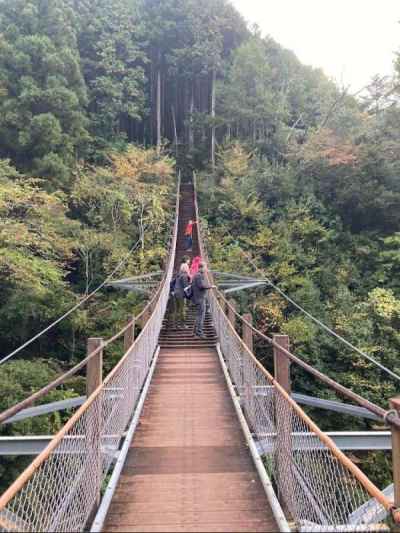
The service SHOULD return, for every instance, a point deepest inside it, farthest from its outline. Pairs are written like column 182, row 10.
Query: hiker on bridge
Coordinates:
column 194, row 266
column 200, row 288
column 189, row 235
column 182, row 281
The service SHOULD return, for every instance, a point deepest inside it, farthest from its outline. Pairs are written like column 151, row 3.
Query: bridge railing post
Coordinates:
column 248, row 332
column 283, row 417
column 247, row 335
column 395, row 405
column 129, row 335
column 281, row 362
column 94, row 378
column 231, row 313
column 94, row 367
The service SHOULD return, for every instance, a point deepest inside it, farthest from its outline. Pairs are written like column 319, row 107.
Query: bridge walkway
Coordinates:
column 188, row 467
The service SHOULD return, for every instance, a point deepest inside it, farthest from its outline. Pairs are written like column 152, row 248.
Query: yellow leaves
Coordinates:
column 299, row 329
column 384, row 303
column 264, row 238
column 139, row 164
column 34, row 222
column 325, row 145
column 309, row 229
column 285, row 270
column 234, row 163
column 3, row 90
column 246, row 207
column 343, row 274
column 270, row 313
column 344, row 322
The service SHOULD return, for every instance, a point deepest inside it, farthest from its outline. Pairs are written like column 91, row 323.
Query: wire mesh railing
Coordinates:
column 316, row 482
column 318, row 485
column 321, row 489
column 61, row 488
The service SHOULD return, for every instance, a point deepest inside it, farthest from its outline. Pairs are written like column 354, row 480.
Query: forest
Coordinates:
column 102, row 101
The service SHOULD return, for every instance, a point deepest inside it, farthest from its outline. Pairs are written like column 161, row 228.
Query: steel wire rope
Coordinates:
column 76, row 306
column 316, row 320
column 346, row 463
column 394, row 420
column 13, row 410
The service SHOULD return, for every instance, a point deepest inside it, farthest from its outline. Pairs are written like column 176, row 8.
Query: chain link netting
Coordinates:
column 64, row 489
column 317, row 490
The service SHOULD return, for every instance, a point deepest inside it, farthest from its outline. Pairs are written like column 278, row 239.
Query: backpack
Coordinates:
column 188, row 292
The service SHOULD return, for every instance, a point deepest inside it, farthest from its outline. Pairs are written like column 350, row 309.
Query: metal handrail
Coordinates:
column 370, row 487
column 24, row 478
column 27, row 402
column 386, row 416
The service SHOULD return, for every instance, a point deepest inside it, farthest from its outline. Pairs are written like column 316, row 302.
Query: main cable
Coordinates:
column 318, row 322
column 76, row 306
column 332, row 332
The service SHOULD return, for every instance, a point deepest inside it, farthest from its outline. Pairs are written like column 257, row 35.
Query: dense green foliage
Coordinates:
column 305, row 183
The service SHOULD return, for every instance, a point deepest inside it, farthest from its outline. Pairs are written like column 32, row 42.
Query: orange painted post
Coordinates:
column 395, row 404
column 94, row 378
column 281, row 362
column 231, row 313
column 94, row 367
column 129, row 335
column 248, row 332
column 283, row 414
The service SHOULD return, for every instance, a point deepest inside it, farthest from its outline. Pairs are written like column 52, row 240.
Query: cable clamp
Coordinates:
column 388, row 414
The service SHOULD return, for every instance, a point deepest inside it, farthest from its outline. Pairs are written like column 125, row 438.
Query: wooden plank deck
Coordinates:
column 188, row 468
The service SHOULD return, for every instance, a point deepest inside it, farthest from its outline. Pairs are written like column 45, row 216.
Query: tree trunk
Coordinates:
column 213, row 119
column 158, row 111
column 151, row 114
column 191, row 110
column 175, row 132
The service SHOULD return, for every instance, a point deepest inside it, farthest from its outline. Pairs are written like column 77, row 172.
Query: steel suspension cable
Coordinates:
column 387, row 416
column 15, row 409
column 76, row 306
column 332, row 332
column 30, row 400
column 316, row 320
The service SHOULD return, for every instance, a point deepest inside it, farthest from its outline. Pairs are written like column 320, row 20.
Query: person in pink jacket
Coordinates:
column 194, row 267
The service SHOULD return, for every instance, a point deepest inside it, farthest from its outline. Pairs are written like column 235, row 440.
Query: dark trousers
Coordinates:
column 188, row 242
column 179, row 311
column 200, row 317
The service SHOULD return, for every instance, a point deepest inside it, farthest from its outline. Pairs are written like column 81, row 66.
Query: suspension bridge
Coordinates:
column 194, row 434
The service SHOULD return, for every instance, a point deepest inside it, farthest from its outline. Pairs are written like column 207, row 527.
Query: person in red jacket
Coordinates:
column 189, row 235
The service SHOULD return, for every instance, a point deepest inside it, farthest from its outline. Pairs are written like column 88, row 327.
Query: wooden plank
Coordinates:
column 188, row 468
